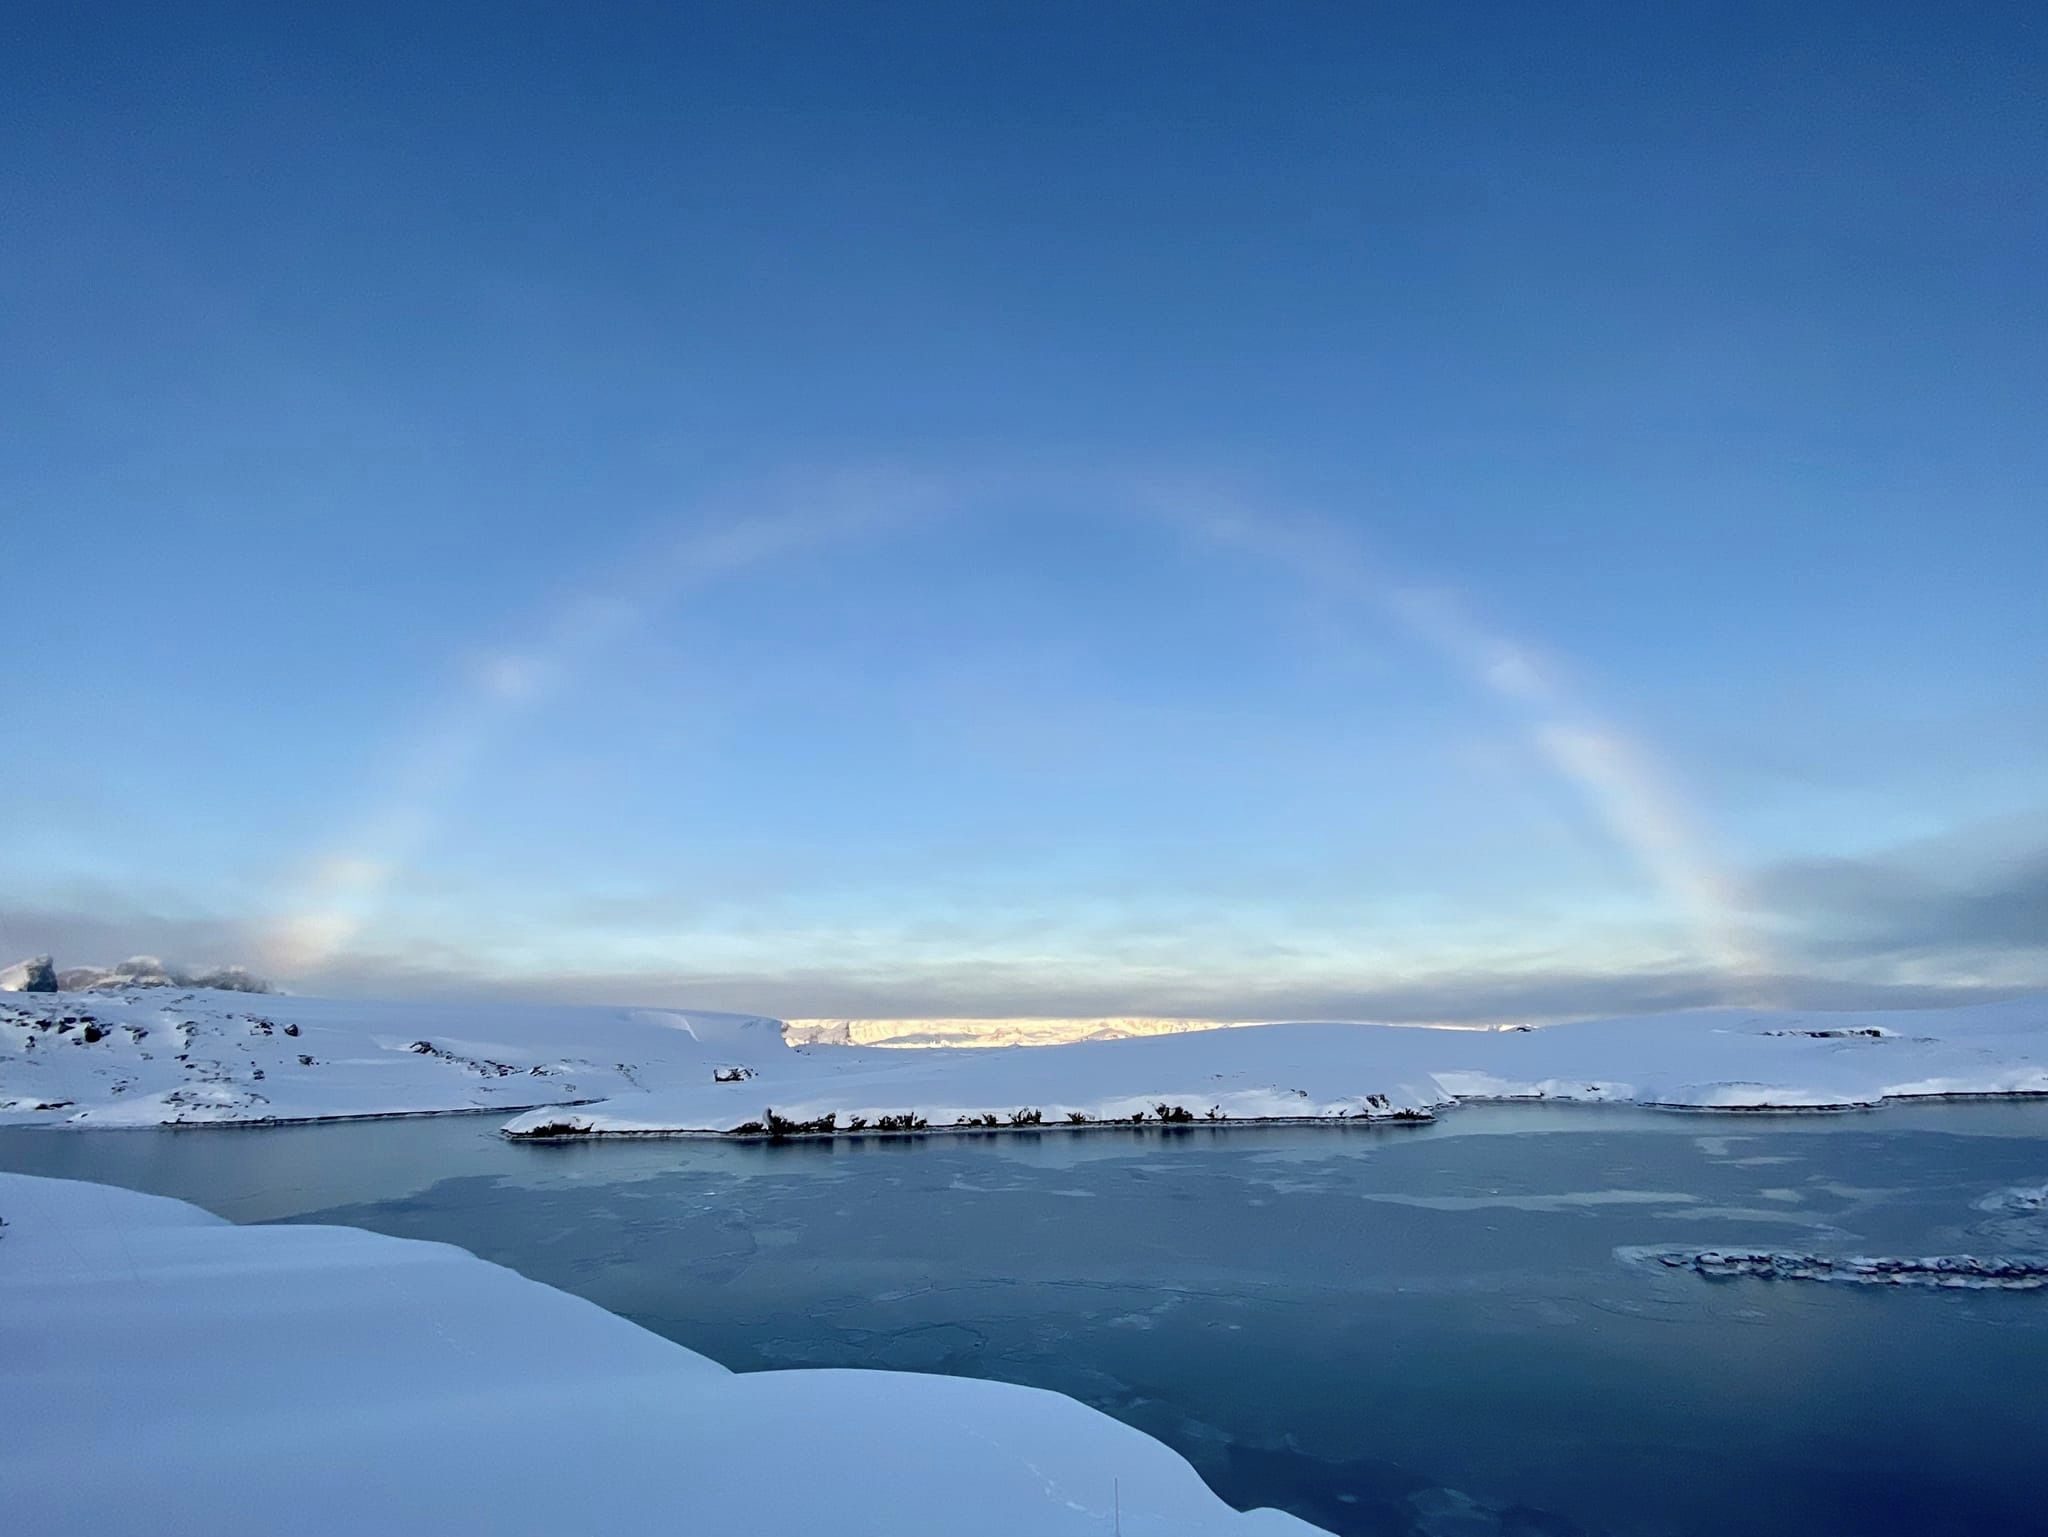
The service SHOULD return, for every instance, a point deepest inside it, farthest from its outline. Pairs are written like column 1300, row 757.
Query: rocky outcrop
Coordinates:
column 37, row 974
column 148, row 971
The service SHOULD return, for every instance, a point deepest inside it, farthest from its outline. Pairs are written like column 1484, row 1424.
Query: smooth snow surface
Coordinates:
column 157, row 1056
column 169, row 1372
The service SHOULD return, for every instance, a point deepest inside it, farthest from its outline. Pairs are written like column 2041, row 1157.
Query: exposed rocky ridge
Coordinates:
column 39, row 974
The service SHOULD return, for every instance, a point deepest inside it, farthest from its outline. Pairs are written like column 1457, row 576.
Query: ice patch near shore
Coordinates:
column 2025, row 1272
column 2019, row 1221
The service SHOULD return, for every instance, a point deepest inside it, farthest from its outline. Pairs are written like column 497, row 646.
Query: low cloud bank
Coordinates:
column 1956, row 920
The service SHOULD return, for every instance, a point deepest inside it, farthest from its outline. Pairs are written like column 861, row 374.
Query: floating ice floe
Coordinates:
column 1995, row 1273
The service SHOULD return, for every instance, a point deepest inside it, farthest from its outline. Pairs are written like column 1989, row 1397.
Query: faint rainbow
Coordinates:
column 338, row 895
column 1614, row 774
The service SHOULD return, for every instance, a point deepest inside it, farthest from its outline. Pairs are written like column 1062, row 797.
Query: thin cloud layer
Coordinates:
column 1879, row 933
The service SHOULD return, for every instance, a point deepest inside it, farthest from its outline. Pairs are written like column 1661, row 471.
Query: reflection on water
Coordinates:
column 1396, row 1330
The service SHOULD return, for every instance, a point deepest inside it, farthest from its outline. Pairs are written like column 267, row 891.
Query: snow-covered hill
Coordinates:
column 152, row 1056
column 182, row 1056
column 175, row 1373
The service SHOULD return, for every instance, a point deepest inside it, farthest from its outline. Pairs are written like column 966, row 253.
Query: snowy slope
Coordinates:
column 1733, row 1059
column 174, row 1373
column 160, row 1055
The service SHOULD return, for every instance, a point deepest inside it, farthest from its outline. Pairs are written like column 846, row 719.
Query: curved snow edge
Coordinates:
column 426, row 1389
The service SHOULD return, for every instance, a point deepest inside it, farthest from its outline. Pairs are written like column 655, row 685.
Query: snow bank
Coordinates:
column 1716, row 1059
column 174, row 1373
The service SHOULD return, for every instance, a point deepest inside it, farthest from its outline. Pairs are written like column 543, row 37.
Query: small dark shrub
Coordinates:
column 551, row 1129
column 1076, row 1118
column 747, row 1129
column 782, row 1126
column 1027, row 1118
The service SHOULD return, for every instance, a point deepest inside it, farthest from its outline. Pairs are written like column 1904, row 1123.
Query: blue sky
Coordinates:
column 1426, row 511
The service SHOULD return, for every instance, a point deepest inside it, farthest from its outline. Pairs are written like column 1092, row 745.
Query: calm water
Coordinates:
column 1383, row 1330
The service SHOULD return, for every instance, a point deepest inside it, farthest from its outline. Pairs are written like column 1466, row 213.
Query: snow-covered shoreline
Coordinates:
column 1717, row 1060
column 155, row 1057
column 177, row 1373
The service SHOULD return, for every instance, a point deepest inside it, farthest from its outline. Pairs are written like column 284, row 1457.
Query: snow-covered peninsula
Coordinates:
column 180, row 1374
column 162, row 1056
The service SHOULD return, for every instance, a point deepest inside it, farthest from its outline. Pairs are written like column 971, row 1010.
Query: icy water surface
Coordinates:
column 1392, row 1330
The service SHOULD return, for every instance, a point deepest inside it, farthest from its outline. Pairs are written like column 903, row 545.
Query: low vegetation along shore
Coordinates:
column 773, row 1127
